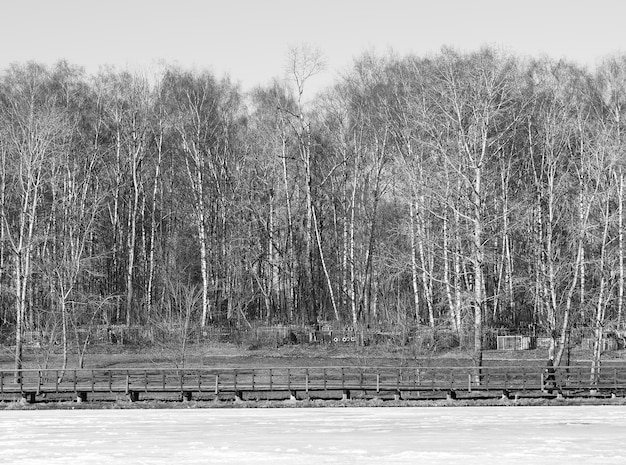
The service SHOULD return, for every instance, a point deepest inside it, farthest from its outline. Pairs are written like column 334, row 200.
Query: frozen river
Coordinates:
column 437, row 435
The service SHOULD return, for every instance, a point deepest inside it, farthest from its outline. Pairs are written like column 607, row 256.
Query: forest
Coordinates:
column 460, row 190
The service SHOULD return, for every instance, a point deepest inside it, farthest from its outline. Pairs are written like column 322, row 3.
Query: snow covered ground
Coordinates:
column 467, row 435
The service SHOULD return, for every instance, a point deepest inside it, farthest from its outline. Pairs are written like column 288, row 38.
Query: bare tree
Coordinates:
column 33, row 132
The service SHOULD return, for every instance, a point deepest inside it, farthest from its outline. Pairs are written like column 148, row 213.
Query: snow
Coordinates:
column 434, row 435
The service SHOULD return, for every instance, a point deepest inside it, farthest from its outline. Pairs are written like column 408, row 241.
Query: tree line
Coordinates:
column 466, row 190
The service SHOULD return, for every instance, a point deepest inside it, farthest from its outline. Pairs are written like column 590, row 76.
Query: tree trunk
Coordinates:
column 601, row 304
column 414, row 269
column 477, row 263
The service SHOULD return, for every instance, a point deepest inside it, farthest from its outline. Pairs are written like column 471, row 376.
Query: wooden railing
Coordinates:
column 234, row 381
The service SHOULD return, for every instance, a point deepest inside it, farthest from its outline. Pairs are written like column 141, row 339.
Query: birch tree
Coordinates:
column 33, row 133
column 475, row 98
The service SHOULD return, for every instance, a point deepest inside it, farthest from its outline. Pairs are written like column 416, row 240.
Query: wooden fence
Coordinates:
column 310, row 382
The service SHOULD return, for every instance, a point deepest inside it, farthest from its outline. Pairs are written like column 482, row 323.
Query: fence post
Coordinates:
column 306, row 380
column 399, row 375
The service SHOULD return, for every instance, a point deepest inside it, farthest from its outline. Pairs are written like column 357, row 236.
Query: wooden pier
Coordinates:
column 310, row 383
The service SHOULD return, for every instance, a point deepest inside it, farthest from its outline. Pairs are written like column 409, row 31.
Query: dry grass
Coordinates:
column 230, row 355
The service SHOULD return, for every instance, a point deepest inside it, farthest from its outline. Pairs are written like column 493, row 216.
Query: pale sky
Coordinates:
column 250, row 39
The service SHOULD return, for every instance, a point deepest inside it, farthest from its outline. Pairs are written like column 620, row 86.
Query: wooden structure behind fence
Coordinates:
column 516, row 342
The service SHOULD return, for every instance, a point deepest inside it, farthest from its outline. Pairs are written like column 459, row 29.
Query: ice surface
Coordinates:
column 434, row 435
